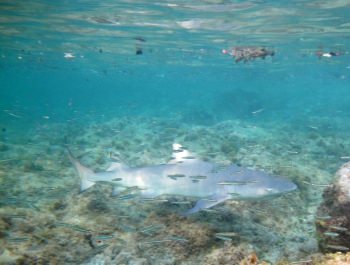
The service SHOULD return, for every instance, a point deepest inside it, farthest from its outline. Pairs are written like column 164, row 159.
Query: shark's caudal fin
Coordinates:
column 84, row 173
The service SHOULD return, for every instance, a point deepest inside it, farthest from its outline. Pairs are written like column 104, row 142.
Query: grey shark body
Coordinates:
column 188, row 176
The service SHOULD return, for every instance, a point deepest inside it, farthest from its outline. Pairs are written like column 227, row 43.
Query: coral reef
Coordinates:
column 44, row 218
column 333, row 225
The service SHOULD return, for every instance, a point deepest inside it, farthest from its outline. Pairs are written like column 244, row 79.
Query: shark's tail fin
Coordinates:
column 84, row 173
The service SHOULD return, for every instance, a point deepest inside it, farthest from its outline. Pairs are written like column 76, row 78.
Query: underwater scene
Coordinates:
column 173, row 132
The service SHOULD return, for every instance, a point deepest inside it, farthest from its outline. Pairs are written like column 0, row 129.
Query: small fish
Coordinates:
column 237, row 182
column 257, row 111
column 234, row 194
column 181, row 202
column 175, row 176
column 100, row 248
column 198, row 177
column 152, row 228
column 339, row 228
column 189, row 157
column 195, row 180
column 7, row 160
column 14, row 115
column 156, row 241
column 316, row 185
column 345, row 157
column 117, row 179
column 330, row 234
column 73, row 227
column 209, row 200
column 127, row 228
column 153, row 200
column 126, row 197
column 177, row 238
column 337, row 247
column 80, row 229
column 226, row 234
column 103, row 237
column 209, row 210
column 15, row 240
column 326, row 217
column 16, row 216
column 224, row 238
column 301, row 262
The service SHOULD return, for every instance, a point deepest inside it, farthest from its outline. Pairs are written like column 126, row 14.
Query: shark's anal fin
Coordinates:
column 84, row 173
column 207, row 203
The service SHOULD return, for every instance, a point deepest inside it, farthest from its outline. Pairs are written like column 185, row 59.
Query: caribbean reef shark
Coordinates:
column 185, row 175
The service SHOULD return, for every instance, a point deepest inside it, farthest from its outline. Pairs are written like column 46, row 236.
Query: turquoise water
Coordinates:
column 286, row 115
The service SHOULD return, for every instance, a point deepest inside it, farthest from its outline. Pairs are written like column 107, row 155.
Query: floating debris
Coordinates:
column 69, row 55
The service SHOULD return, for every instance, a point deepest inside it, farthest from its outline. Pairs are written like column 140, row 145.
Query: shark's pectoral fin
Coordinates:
column 149, row 193
column 207, row 203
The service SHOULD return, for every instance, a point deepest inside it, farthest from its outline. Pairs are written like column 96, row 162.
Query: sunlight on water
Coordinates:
column 174, row 132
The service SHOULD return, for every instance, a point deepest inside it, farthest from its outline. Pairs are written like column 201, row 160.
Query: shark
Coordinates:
column 187, row 175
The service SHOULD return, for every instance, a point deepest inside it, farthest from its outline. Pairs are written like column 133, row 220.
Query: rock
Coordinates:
column 3, row 147
column 333, row 223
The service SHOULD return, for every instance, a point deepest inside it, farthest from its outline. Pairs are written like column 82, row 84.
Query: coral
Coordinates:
column 233, row 255
column 333, row 229
column 332, row 259
column 96, row 205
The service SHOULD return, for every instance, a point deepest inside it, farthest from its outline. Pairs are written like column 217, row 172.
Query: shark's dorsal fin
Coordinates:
column 115, row 166
column 180, row 154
